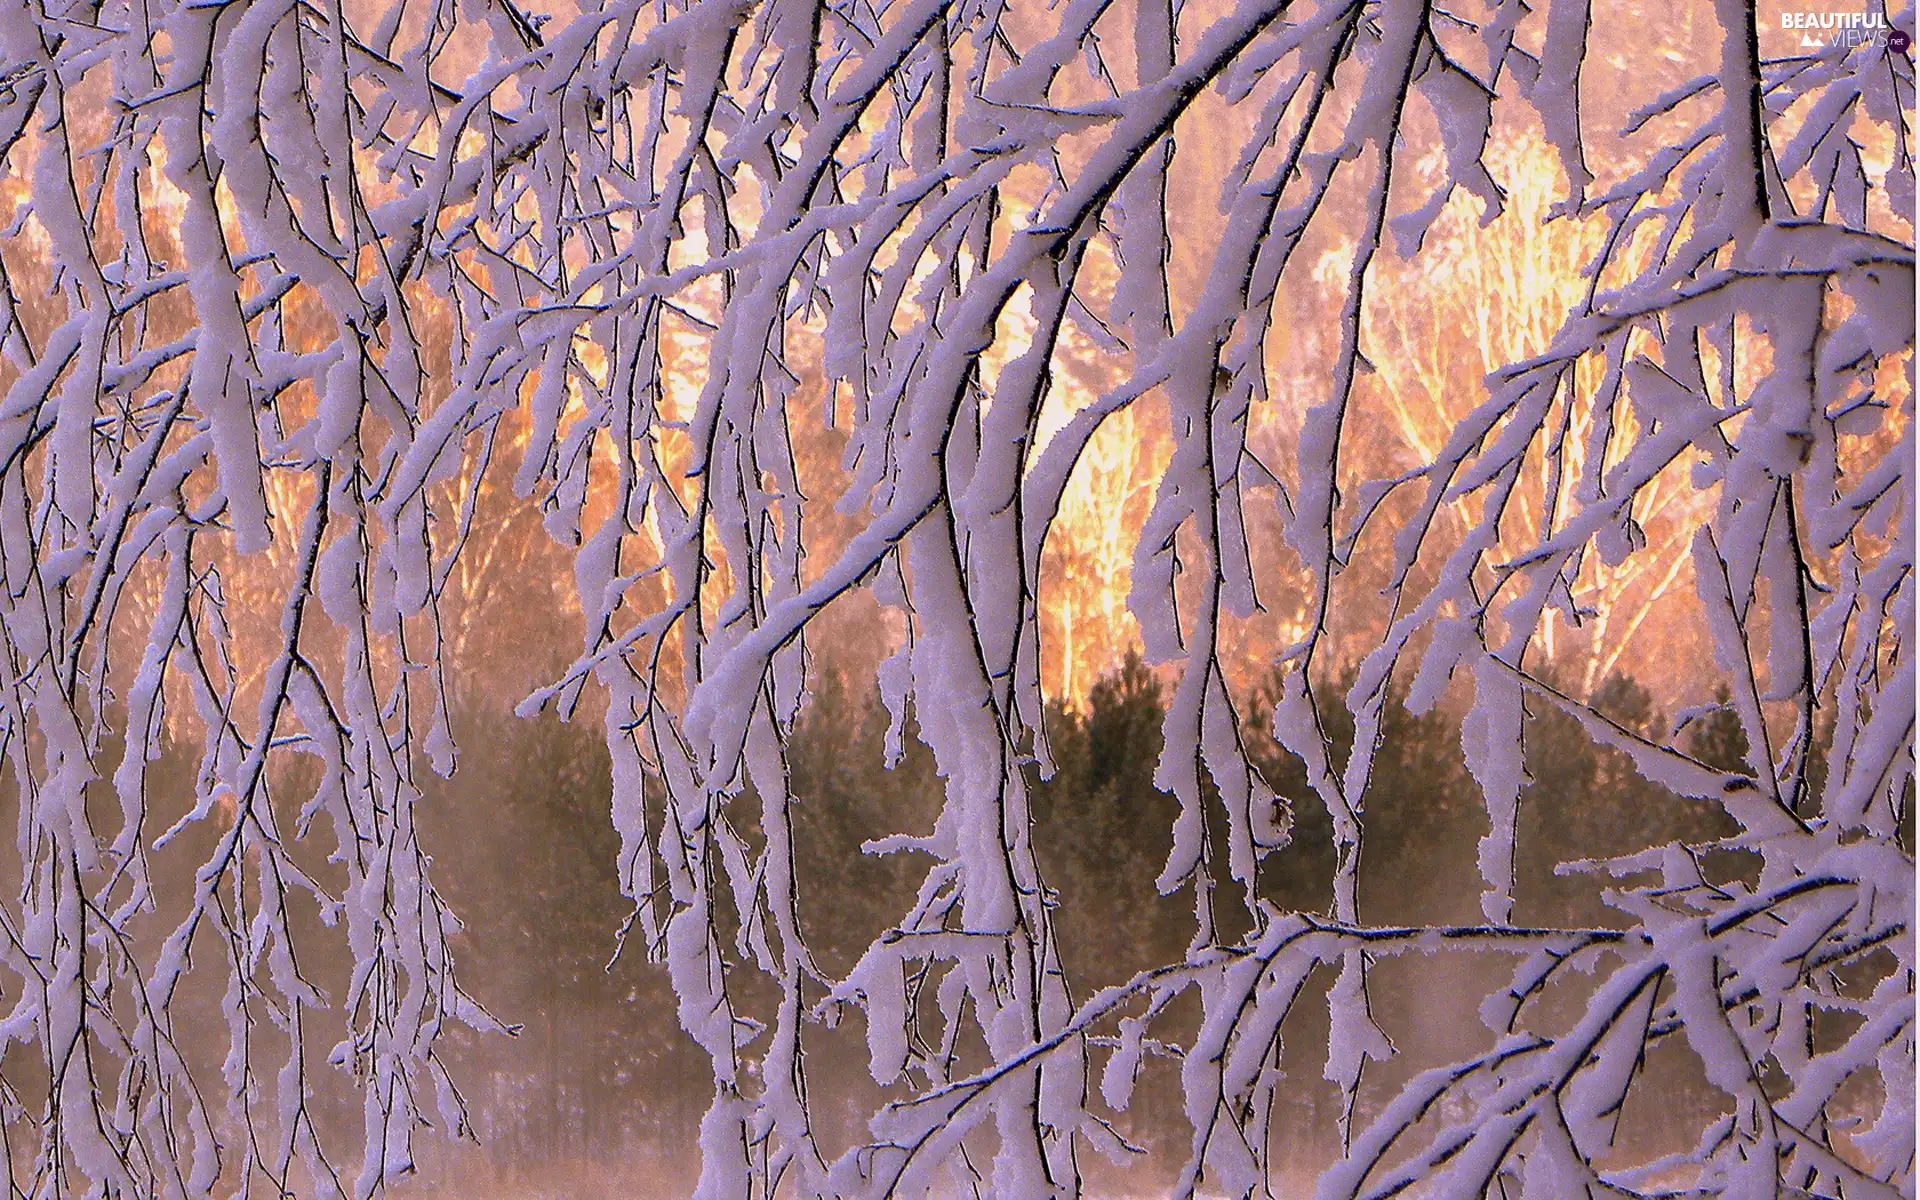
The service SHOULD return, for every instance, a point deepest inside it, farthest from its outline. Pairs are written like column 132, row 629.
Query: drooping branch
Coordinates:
column 296, row 285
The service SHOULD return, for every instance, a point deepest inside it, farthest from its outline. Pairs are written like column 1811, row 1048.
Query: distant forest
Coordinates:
column 599, row 1084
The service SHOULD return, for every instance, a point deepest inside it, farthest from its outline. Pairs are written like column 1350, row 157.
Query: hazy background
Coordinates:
column 599, row 1093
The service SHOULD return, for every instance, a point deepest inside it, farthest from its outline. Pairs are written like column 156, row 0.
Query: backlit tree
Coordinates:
column 304, row 295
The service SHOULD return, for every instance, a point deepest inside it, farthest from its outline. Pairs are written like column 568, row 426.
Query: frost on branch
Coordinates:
column 290, row 280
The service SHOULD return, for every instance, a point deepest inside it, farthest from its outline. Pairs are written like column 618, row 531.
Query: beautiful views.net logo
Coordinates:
column 1819, row 30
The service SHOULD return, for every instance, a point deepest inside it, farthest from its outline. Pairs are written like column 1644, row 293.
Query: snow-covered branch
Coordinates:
column 291, row 281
